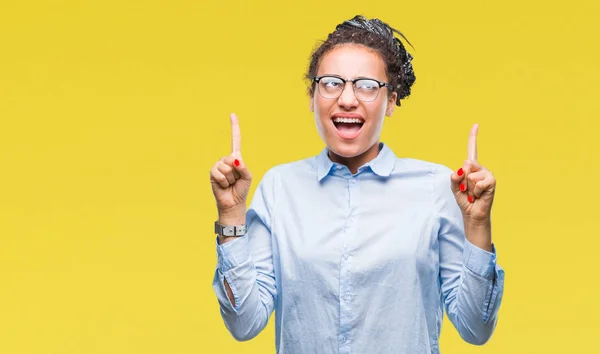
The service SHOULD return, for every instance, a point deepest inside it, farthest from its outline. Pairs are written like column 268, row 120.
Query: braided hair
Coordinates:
column 376, row 35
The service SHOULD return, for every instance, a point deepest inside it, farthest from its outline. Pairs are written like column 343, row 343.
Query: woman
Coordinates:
column 356, row 250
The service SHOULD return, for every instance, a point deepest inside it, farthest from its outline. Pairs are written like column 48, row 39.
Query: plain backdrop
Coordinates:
column 113, row 112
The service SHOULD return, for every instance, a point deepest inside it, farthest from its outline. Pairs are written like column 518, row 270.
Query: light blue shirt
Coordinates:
column 357, row 263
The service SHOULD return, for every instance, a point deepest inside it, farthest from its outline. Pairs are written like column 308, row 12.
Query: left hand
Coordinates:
column 474, row 186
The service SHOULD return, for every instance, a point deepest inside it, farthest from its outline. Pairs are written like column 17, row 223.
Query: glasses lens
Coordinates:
column 330, row 87
column 366, row 90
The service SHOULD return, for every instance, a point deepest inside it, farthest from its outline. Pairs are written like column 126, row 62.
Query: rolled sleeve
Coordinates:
column 480, row 261
column 232, row 253
column 483, row 263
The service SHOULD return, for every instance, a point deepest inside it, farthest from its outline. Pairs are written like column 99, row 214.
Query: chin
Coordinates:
column 348, row 149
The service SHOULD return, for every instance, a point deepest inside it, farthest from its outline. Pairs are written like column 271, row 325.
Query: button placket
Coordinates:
column 346, row 291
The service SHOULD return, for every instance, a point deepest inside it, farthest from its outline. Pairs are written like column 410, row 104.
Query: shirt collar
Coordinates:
column 382, row 165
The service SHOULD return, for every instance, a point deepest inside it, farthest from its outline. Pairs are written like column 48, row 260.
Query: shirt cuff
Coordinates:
column 480, row 261
column 232, row 253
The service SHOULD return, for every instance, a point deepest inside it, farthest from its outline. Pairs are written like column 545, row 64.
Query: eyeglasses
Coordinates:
column 365, row 89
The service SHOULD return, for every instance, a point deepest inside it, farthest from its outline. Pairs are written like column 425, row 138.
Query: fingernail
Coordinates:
column 236, row 162
column 463, row 187
column 460, row 172
column 470, row 199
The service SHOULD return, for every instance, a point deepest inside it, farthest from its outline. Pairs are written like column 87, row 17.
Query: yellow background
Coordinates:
column 112, row 113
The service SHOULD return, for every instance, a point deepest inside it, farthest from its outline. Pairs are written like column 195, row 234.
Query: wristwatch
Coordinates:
column 234, row 230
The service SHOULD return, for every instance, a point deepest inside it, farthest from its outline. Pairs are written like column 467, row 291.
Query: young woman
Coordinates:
column 356, row 250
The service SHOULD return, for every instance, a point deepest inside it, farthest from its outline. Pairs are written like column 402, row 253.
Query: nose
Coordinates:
column 348, row 99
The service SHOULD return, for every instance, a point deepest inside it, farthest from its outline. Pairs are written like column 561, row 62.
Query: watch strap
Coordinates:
column 230, row 230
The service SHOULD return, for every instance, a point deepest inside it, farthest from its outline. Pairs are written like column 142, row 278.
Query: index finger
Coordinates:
column 472, row 151
column 235, row 135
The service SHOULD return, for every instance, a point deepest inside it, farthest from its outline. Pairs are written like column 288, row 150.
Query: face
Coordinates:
column 352, row 143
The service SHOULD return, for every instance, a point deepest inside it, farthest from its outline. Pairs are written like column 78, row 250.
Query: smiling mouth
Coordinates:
column 348, row 128
column 348, row 123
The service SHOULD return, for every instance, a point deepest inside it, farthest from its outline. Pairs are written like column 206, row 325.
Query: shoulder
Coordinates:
column 283, row 179
column 294, row 167
column 432, row 169
column 433, row 176
column 289, row 171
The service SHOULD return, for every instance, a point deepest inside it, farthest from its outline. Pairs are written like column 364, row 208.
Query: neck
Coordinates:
column 354, row 162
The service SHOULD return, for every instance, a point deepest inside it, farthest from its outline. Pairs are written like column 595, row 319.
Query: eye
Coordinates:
column 331, row 82
column 367, row 85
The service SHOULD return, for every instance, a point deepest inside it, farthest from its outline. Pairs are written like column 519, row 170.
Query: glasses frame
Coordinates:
column 381, row 84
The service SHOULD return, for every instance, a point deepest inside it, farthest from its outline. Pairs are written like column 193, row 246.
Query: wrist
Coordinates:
column 479, row 233
column 232, row 216
column 475, row 224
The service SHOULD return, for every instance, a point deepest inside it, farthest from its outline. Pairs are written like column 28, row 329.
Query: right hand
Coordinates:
column 229, row 177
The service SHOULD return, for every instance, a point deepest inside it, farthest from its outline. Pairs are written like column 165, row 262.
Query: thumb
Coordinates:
column 239, row 167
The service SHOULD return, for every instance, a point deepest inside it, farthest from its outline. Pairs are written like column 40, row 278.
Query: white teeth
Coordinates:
column 347, row 120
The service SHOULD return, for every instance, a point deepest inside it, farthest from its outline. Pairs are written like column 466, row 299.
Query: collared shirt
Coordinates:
column 357, row 263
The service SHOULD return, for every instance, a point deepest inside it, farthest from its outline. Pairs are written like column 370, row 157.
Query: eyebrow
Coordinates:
column 356, row 78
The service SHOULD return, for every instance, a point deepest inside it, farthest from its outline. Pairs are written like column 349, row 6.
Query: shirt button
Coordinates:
column 346, row 257
column 343, row 339
column 353, row 181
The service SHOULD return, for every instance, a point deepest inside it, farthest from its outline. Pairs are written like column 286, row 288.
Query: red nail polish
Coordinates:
column 460, row 172
column 463, row 187
column 470, row 199
column 236, row 162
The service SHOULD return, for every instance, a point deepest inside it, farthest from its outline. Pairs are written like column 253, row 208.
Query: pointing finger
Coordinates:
column 235, row 135
column 472, row 151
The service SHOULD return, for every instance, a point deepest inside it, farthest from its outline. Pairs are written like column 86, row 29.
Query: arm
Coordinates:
column 244, row 280
column 472, row 283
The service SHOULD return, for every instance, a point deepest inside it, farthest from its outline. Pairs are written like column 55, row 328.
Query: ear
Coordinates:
column 391, row 104
column 312, row 101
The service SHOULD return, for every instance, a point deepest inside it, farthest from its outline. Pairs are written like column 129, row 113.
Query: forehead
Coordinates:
column 352, row 60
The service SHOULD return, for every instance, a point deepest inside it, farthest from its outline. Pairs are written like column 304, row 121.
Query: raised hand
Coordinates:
column 229, row 177
column 473, row 185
